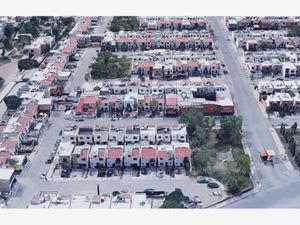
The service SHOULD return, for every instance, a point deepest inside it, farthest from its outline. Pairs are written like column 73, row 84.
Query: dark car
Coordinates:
column 223, row 65
column 109, row 173
column 65, row 173
column 50, row 159
column 225, row 71
column 212, row 185
column 149, row 190
column 203, row 180
column 279, row 78
column 144, row 171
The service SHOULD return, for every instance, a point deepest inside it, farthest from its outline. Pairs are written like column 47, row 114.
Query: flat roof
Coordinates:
column 80, row 201
column 6, row 174
column 139, row 201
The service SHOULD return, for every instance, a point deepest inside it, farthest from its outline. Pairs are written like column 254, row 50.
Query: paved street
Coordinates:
column 77, row 78
column 276, row 180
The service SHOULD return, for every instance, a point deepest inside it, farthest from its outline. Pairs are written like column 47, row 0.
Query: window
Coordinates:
column 72, row 138
column 83, row 159
column 146, row 137
column 134, row 137
column 81, row 138
column 134, row 158
column 160, row 158
column 98, row 136
column 182, row 137
column 87, row 137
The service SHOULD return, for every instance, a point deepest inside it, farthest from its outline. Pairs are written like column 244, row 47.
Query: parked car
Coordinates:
column 203, row 180
column 212, row 185
column 79, row 120
column 109, row 173
column 65, row 173
column 144, row 171
column 149, row 190
column 43, row 176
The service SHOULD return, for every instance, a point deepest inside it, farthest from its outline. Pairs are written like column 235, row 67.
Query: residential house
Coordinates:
column 132, row 156
column 117, row 134
column 182, row 154
column 165, row 155
column 85, row 135
column 100, row 134
column 80, row 156
column 70, row 133
column 178, row 133
column 87, row 106
column 163, row 134
column 114, row 156
column 148, row 156
column 97, row 156
column 148, row 134
column 65, row 150
column 132, row 134
column 171, row 105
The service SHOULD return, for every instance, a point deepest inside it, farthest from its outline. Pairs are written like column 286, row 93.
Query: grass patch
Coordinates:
column 4, row 60
column 223, row 171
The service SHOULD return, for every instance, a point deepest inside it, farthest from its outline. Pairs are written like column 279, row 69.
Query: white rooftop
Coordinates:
column 139, row 201
column 6, row 174
column 80, row 201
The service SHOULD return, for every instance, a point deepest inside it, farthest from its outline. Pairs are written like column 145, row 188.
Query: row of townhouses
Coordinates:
column 262, row 43
column 173, row 41
column 178, row 97
column 284, row 63
column 120, row 135
column 261, row 23
column 135, row 155
column 176, row 68
column 173, row 23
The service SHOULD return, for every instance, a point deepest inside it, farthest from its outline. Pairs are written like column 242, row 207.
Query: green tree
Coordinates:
column 236, row 182
column 293, row 128
column 97, row 88
column 12, row 102
column 1, row 81
column 243, row 163
column 174, row 199
column 230, row 129
column 292, row 146
column 127, row 23
column 201, row 162
column 297, row 159
column 115, row 193
column 34, row 20
column 26, row 64
column 108, row 65
column 7, row 44
column 294, row 31
column 9, row 30
column 154, row 106
column 193, row 118
column 199, row 137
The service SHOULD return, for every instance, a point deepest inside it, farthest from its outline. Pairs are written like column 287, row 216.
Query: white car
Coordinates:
column 43, row 176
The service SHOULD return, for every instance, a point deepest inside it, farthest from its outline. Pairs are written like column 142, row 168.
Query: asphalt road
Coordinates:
column 276, row 181
column 77, row 78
